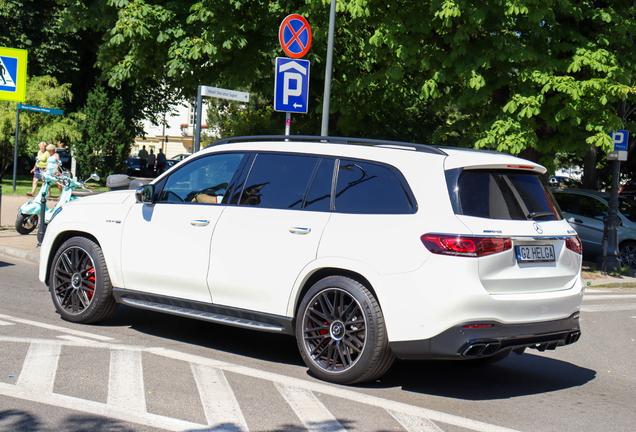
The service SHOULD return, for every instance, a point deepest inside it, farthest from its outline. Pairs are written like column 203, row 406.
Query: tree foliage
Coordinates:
column 529, row 77
column 35, row 127
column 106, row 136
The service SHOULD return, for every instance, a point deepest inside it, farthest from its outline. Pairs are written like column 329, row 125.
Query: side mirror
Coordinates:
column 95, row 177
column 145, row 193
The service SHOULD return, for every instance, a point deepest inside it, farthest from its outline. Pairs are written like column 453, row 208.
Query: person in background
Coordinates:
column 51, row 162
column 143, row 158
column 151, row 163
column 161, row 162
column 40, row 165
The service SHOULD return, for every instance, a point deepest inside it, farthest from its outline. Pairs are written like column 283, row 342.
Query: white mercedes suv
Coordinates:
column 364, row 250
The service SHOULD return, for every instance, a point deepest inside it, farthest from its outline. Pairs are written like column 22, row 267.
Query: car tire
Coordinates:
column 79, row 282
column 341, row 332
column 24, row 224
column 628, row 254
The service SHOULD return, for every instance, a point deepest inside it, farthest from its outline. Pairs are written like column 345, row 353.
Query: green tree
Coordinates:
column 528, row 77
column 106, row 135
column 35, row 127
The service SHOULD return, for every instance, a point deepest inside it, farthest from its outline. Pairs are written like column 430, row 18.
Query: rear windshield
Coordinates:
column 502, row 194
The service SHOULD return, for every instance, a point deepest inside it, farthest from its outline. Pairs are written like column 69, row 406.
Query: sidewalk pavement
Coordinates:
column 26, row 246
column 11, row 242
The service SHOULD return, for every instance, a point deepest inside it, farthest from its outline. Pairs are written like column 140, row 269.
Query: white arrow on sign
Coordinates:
column 298, row 106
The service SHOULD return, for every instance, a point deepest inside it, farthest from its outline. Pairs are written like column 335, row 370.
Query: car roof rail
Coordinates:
column 336, row 140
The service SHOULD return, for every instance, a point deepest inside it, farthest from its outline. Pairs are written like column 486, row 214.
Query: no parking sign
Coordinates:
column 295, row 36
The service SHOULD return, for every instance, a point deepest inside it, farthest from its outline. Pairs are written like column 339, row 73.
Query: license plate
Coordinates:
column 539, row 253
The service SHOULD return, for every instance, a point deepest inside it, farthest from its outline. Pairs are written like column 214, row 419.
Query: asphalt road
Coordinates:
column 144, row 371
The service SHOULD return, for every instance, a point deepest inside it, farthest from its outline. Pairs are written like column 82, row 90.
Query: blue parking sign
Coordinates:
column 619, row 139
column 291, row 86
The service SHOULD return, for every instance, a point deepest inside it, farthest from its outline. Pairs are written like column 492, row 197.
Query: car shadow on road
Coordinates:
column 513, row 377
column 233, row 340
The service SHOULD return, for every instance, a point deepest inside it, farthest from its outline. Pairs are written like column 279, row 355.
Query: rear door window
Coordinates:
column 504, row 194
column 364, row 187
column 278, row 181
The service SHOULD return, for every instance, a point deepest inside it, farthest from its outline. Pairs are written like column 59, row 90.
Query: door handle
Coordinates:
column 298, row 230
column 199, row 222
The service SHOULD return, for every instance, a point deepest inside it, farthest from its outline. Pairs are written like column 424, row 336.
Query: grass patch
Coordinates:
column 616, row 285
column 23, row 184
column 590, row 271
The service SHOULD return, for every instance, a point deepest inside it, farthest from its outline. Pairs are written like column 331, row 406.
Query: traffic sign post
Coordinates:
column 610, row 260
column 13, row 72
column 44, row 110
column 294, row 36
column 217, row 93
column 291, row 84
column 17, row 131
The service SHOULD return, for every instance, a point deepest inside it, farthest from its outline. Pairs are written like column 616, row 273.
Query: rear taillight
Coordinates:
column 574, row 244
column 459, row 245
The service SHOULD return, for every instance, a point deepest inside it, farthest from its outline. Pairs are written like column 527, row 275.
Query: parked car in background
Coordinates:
column 65, row 157
column 561, row 181
column 181, row 156
column 586, row 211
column 133, row 167
column 364, row 250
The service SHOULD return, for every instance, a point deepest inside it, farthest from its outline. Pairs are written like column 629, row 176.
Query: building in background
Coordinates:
column 177, row 137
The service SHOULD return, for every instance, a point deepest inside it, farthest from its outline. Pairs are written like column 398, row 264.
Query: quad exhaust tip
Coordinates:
column 488, row 348
column 481, row 349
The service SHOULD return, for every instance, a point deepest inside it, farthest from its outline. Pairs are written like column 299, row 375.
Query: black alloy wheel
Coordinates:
column 79, row 282
column 628, row 254
column 341, row 333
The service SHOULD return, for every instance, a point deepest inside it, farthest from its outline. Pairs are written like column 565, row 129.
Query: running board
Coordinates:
column 201, row 315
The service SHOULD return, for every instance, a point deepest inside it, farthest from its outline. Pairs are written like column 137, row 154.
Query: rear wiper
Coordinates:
column 534, row 215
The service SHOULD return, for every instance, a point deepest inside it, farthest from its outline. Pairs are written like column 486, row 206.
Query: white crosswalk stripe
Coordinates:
column 414, row 423
column 608, row 307
column 219, row 403
column 40, row 366
column 593, row 297
column 311, row 412
column 125, row 384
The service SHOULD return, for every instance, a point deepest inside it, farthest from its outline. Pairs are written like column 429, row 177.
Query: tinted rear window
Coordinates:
column 504, row 194
column 370, row 188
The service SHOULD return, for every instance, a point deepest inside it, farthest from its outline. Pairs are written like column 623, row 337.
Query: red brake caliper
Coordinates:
column 91, row 278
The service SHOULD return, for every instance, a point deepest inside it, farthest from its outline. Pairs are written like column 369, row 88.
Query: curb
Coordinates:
column 19, row 253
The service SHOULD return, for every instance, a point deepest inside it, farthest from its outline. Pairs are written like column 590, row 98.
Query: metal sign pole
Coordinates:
column 197, row 140
column 287, row 122
column 324, row 130
column 15, row 156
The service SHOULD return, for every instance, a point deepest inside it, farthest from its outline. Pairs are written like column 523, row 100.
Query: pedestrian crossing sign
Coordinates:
column 13, row 64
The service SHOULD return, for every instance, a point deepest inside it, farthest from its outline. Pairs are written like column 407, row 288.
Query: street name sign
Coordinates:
column 13, row 68
column 294, row 36
column 40, row 109
column 291, row 86
column 225, row 94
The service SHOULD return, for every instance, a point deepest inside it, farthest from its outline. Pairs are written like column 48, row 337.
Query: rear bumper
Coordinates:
column 459, row 342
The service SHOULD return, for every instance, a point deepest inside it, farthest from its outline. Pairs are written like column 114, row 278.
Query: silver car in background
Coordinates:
column 586, row 210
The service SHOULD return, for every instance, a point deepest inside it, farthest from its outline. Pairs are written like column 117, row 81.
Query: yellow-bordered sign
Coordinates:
column 13, row 66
